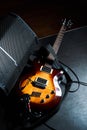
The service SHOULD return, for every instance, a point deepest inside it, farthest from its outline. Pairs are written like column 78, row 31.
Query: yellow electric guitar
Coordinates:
column 42, row 84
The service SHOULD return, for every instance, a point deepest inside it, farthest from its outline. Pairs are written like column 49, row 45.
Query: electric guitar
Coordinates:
column 42, row 84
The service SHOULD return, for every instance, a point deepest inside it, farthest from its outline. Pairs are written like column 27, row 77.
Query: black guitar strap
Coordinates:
column 51, row 50
column 57, row 65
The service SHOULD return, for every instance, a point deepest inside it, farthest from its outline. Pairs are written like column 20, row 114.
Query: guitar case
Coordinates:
column 18, row 43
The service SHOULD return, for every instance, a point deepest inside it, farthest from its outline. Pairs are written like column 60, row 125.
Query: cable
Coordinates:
column 82, row 83
column 74, row 82
column 60, row 65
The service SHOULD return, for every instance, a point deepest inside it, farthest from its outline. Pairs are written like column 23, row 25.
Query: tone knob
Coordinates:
column 47, row 96
column 52, row 92
column 42, row 101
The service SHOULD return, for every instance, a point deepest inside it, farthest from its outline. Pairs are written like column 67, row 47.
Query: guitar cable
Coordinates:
column 78, row 82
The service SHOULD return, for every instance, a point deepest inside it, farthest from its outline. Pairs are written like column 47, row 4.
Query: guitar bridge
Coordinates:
column 40, row 82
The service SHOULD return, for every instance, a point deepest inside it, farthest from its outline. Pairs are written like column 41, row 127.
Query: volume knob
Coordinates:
column 42, row 101
column 47, row 96
column 52, row 92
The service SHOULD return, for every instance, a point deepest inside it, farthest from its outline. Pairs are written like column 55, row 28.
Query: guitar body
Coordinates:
column 43, row 87
column 42, row 82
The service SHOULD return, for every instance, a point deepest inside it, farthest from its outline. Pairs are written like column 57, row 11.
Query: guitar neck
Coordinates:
column 59, row 39
column 57, row 42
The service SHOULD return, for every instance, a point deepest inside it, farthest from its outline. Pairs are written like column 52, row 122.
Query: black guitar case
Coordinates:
column 17, row 43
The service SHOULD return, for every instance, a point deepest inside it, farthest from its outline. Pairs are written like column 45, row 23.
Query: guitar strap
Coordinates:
column 56, row 63
column 51, row 50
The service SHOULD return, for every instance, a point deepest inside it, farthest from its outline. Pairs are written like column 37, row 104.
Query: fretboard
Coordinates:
column 58, row 41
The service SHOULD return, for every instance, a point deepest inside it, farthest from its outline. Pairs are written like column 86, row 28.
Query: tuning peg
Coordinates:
column 64, row 22
column 69, row 23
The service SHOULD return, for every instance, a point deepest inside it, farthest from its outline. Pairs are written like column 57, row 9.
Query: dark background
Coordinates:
column 45, row 16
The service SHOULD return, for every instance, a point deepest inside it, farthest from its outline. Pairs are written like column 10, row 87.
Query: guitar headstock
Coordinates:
column 68, row 23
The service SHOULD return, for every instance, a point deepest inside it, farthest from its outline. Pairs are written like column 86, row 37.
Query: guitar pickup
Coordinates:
column 46, row 69
column 40, row 82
